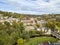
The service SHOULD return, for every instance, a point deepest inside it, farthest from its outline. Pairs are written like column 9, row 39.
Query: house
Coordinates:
column 28, row 22
column 28, row 28
column 41, row 22
column 45, row 30
column 49, row 32
column 12, row 19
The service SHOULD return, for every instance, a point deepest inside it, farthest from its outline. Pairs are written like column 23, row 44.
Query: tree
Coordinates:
column 26, row 35
column 20, row 17
column 32, row 33
column 14, row 37
column 7, row 24
column 20, row 41
column 21, row 27
column 4, row 38
column 37, row 25
column 50, row 25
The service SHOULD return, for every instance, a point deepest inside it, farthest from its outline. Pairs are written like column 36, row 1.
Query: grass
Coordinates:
column 37, row 40
column 57, row 27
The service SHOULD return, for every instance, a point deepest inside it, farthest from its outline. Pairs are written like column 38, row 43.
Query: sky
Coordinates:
column 31, row 6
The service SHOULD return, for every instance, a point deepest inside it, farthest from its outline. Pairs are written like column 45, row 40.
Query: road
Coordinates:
column 55, row 34
column 56, row 44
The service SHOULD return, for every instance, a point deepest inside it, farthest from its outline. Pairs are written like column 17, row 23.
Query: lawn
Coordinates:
column 37, row 40
column 57, row 27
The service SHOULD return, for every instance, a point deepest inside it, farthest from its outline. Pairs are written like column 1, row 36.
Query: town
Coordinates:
column 26, row 29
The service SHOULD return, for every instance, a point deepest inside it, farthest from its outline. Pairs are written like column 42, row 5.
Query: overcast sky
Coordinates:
column 31, row 6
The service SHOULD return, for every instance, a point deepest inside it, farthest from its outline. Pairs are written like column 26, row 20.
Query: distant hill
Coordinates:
column 13, row 14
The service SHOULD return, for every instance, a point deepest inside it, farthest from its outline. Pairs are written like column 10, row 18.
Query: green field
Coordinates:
column 37, row 40
column 57, row 27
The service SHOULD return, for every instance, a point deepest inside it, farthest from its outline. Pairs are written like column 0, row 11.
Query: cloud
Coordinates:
column 31, row 6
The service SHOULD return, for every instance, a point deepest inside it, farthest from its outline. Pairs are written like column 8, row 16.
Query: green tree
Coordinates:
column 26, row 35
column 50, row 25
column 37, row 25
column 20, row 41
column 4, row 37
column 21, row 27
